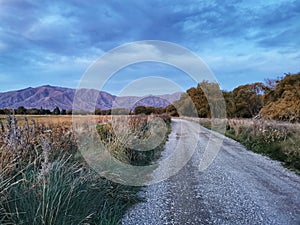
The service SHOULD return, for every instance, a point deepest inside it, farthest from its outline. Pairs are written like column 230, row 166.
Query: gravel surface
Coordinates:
column 239, row 187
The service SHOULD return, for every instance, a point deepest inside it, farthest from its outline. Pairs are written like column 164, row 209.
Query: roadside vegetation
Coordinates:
column 262, row 116
column 45, row 180
column 277, row 140
column 142, row 130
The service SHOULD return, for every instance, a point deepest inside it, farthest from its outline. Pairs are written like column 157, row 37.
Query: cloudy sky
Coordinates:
column 54, row 42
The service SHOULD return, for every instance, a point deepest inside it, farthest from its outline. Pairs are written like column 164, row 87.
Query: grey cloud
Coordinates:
column 32, row 31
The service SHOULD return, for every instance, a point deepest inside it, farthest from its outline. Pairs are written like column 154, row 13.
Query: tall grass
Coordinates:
column 65, row 195
column 277, row 140
column 139, row 125
column 44, row 179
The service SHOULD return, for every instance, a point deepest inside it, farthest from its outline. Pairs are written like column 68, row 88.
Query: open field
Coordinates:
column 60, row 119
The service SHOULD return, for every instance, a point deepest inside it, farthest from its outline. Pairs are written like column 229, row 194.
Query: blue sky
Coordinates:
column 54, row 42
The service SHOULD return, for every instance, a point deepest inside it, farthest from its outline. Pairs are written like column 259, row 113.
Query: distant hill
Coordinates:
column 150, row 100
column 49, row 97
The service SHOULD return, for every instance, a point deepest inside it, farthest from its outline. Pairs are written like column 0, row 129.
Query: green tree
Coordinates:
column 139, row 110
column 56, row 111
column 33, row 111
column 149, row 110
column 21, row 110
column 160, row 110
column 247, row 100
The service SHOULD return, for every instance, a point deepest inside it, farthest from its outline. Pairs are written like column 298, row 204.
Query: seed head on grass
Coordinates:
column 1, row 127
column 46, row 165
column 13, row 133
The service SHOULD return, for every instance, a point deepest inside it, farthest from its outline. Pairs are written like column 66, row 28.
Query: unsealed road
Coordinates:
column 240, row 187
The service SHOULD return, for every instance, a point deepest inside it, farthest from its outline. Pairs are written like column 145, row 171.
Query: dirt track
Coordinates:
column 239, row 187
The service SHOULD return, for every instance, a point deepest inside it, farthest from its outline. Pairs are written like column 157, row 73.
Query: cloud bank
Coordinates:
column 53, row 42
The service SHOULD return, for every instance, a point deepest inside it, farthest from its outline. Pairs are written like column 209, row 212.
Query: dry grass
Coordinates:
column 44, row 179
column 278, row 140
column 50, row 120
column 126, row 136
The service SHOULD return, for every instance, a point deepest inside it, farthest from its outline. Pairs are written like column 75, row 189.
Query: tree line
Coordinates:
column 277, row 99
column 148, row 110
column 21, row 110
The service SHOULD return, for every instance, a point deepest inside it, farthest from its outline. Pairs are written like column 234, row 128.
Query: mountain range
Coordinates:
column 49, row 97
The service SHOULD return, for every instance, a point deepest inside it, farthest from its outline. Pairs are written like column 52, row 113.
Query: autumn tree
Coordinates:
column 282, row 101
column 203, row 101
column 171, row 110
column 247, row 100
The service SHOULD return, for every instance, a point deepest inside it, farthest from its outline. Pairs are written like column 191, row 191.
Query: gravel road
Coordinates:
column 239, row 187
